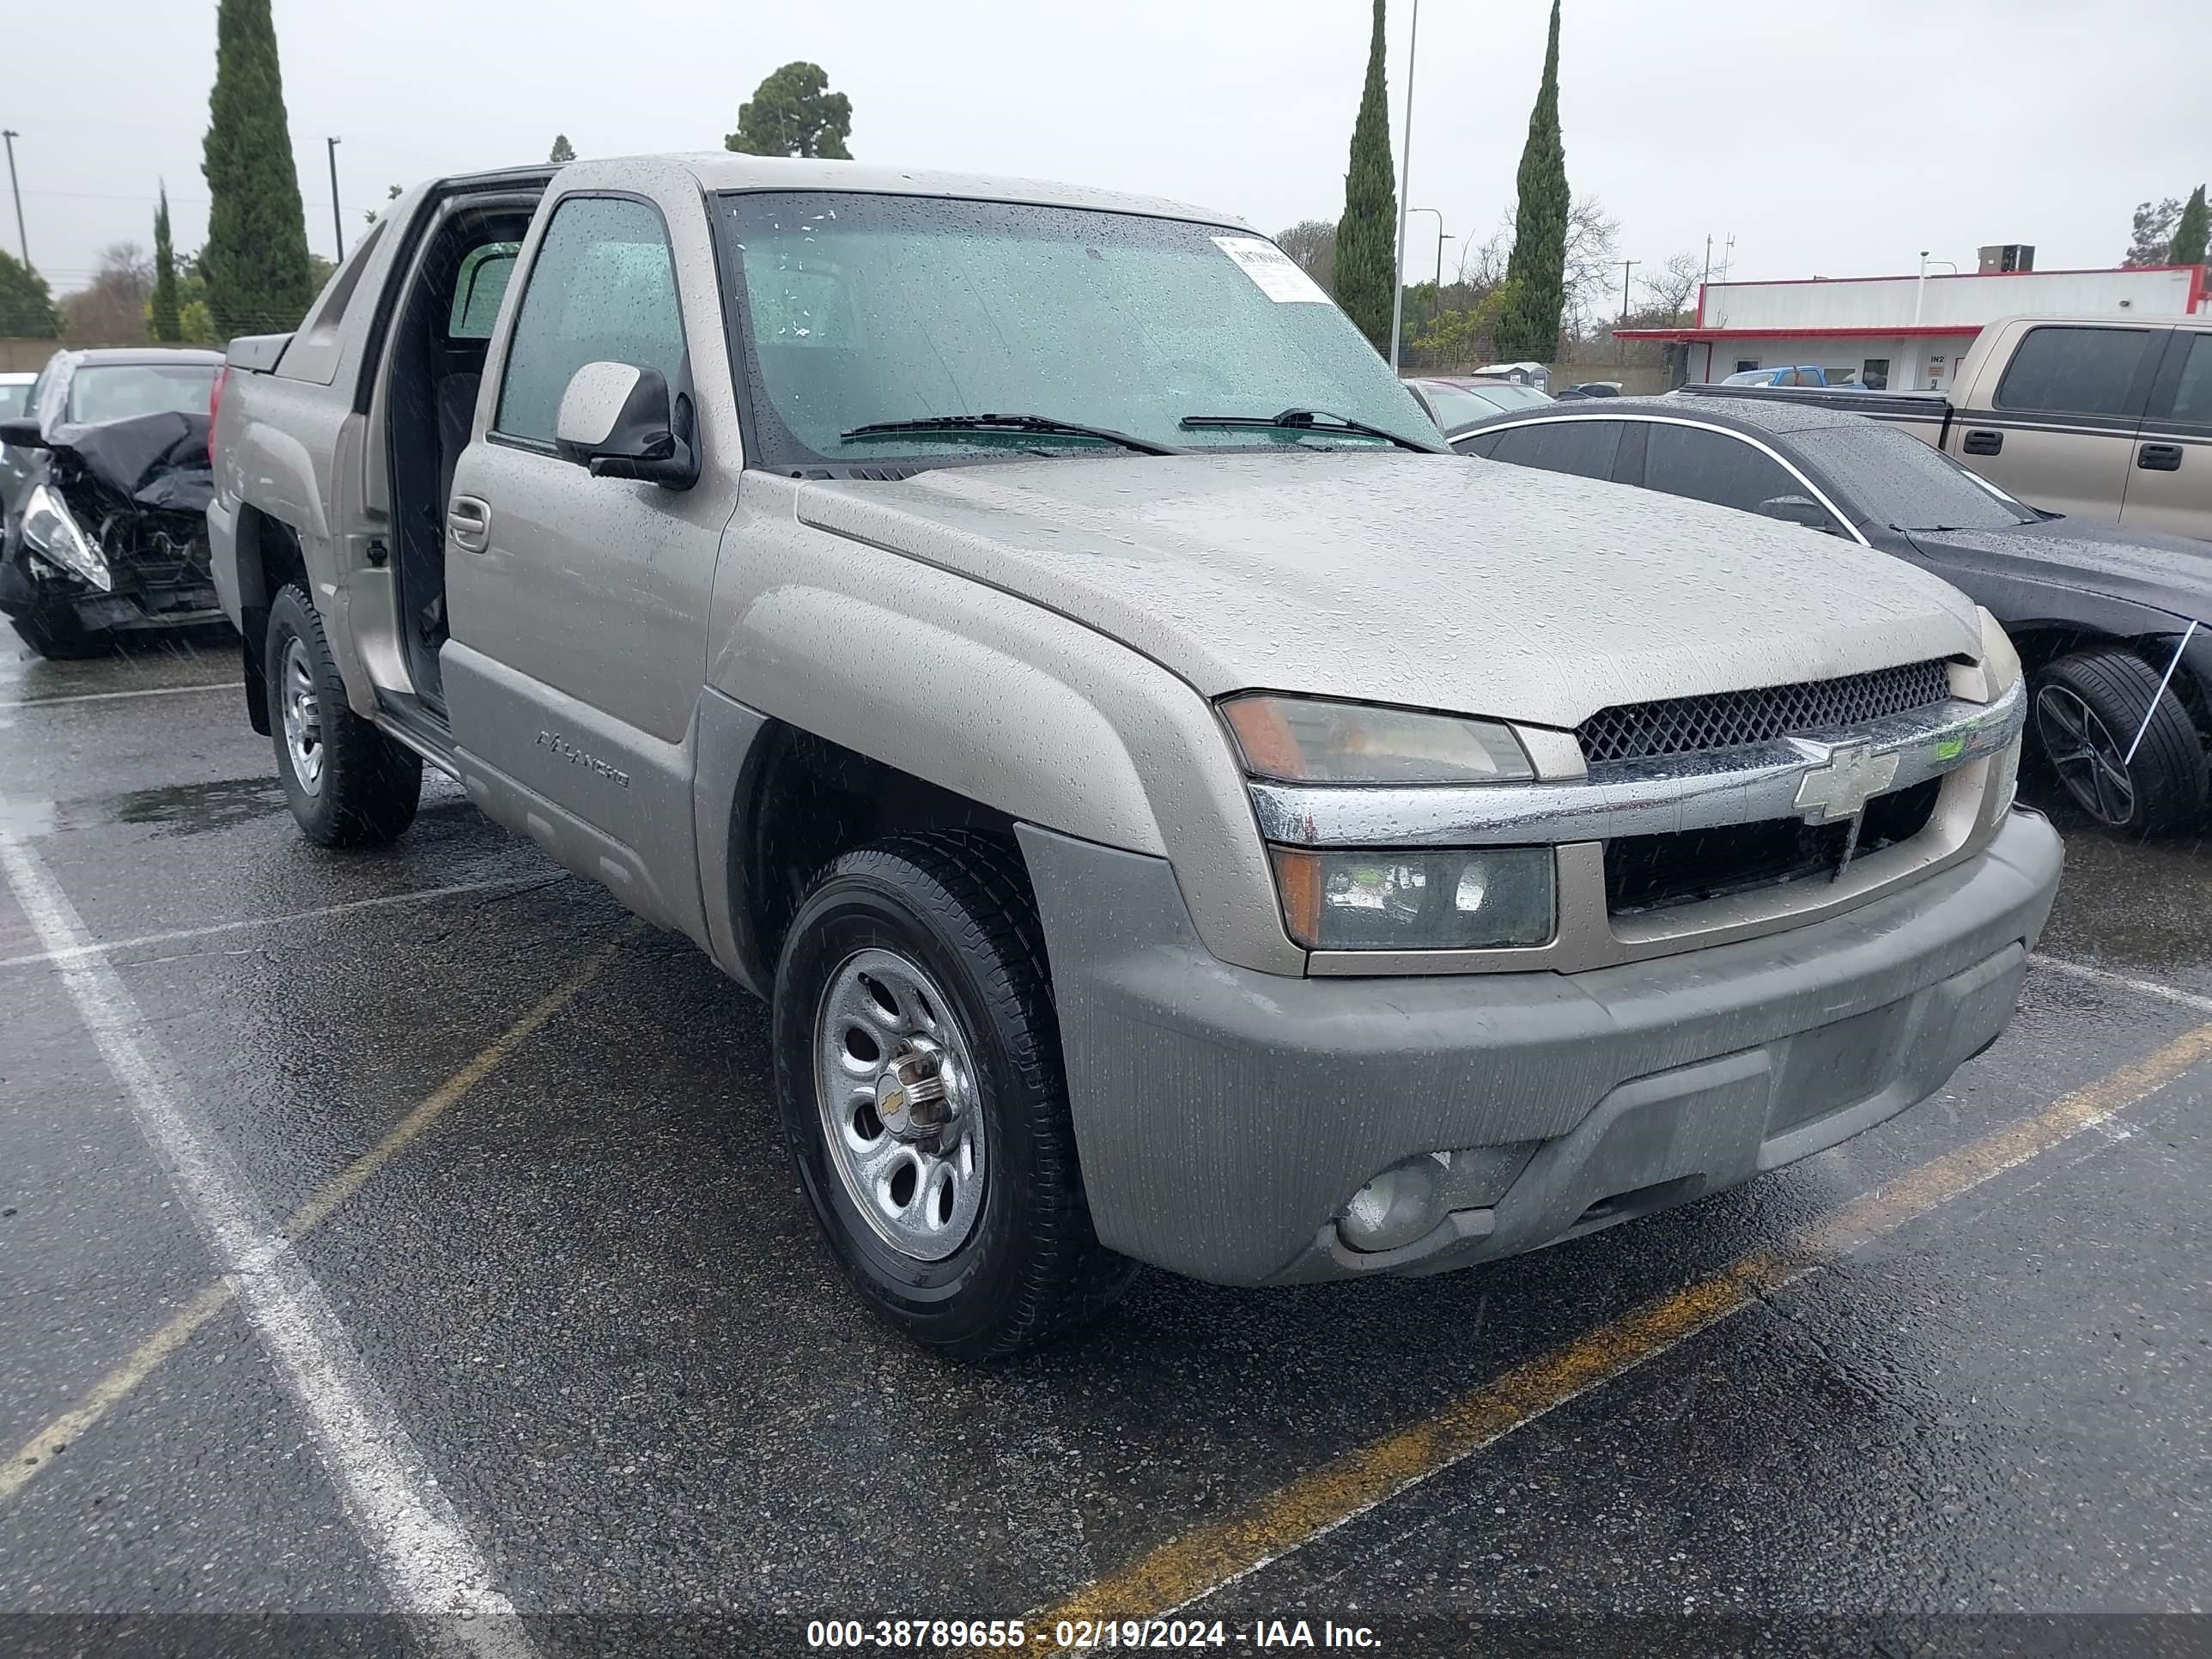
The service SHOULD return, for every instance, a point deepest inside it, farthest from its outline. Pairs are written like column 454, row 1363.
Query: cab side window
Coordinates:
column 2075, row 371
column 1713, row 466
column 602, row 290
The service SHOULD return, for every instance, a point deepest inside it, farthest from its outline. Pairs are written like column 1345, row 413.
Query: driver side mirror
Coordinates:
column 1800, row 510
column 616, row 420
column 22, row 432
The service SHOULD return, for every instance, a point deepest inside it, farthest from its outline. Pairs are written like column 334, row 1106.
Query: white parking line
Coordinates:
column 78, row 952
column 428, row 1563
column 2145, row 987
column 109, row 696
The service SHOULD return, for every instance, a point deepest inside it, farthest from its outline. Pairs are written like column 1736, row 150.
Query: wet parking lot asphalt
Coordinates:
column 539, row 1230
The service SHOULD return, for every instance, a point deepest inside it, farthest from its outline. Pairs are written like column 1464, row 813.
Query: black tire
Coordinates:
column 2087, row 709
column 57, row 641
column 958, row 905
column 368, row 786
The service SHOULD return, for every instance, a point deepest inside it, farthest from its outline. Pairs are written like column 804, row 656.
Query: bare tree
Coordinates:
column 1312, row 243
column 1590, row 275
column 1669, row 289
column 111, row 308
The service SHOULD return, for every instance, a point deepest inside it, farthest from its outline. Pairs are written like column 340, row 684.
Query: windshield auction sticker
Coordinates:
column 1276, row 274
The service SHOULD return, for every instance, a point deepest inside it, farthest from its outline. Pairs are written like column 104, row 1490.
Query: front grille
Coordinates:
column 1723, row 720
column 1656, row 872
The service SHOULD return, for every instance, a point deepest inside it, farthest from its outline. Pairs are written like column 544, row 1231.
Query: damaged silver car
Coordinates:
column 106, row 499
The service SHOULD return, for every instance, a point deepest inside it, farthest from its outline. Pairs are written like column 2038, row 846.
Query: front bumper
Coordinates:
column 57, row 598
column 1225, row 1118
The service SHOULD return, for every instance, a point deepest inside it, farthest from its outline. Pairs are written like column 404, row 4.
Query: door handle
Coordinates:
column 1984, row 443
column 468, row 522
column 2158, row 457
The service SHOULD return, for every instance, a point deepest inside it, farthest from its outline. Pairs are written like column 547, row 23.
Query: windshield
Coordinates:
column 861, row 309
column 119, row 392
column 1900, row 481
column 1459, row 407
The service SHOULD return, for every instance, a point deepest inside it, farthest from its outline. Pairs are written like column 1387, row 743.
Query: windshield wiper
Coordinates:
column 1038, row 423
column 1307, row 420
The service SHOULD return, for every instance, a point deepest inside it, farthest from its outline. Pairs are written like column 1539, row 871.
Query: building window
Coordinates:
column 1874, row 373
column 1745, row 365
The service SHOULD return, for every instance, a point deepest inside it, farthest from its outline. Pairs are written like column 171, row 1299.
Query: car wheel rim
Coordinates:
column 2089, row 760
column 900, row 1112
column 302, row 713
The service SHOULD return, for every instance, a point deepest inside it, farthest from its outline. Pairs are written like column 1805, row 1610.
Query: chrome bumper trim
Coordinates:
column 1820, row 778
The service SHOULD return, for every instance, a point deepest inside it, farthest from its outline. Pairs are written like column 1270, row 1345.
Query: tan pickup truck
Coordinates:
column 2101, row 416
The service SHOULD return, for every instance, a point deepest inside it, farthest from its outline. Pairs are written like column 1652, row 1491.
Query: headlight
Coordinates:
column 1484, row 899
column 53, row 533
column 1303, row 740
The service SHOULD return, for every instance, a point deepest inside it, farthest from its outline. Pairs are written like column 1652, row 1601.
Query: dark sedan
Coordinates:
column 2114, row 625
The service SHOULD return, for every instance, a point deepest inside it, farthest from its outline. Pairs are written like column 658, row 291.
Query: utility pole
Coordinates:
column 337, row 225
column 23, row 241
column 1405, row 185
column 1441, row 240
column 1619, row 350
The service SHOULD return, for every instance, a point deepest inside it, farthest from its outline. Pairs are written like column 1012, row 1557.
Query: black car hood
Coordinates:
column 156, row 461
column 2172, row 573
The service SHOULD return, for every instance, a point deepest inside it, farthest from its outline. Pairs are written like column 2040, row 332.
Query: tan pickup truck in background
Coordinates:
column 2102, row 416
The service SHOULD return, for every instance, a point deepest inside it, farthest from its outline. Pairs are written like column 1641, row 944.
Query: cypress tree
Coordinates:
column 1535, row 274
column 1367, row 235
column 256, row 257
column 2187, row 247
column 166, row 314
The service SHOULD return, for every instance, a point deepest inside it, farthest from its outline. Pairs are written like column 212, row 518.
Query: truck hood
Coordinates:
column 2171, row 573
column 1434, row 581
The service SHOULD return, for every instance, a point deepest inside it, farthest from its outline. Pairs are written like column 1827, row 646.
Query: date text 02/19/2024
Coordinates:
column 1088, row 1635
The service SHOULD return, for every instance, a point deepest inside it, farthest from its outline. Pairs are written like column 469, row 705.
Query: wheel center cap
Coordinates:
column 910, row 1091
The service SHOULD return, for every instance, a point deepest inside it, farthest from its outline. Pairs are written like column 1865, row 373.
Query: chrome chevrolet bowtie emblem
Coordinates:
column 1850, row 774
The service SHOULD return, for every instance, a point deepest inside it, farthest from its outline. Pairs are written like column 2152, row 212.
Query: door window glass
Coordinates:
column 2192, row 397
column 478, row 290
column 1712, row 467
column 1584, row 448
column 1874, row 373
column 602, row 290
column 2078, row 371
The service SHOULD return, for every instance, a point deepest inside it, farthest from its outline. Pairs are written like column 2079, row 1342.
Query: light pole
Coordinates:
column 1621, row 351
column 337, row 225
column 1919, row 297
column 1441, row 240
column 23, row 241
column 1404, row 185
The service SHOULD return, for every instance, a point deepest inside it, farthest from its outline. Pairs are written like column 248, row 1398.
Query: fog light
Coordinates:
column 1402, row 1204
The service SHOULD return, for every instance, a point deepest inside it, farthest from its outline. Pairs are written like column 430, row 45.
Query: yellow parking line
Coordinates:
column 112, row 1390
column 1182, row 1571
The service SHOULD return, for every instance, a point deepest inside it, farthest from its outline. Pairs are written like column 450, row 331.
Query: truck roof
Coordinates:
column 721, row 170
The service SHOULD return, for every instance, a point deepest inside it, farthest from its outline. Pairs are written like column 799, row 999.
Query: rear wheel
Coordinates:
column 918, row 1064
column 347, row 783
column 2088, row 708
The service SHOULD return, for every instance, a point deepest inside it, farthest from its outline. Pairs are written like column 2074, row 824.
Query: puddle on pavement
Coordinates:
column 184, row 808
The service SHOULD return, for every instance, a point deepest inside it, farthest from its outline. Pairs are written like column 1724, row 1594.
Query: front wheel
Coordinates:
column 347, row 783
column 2088, row 708
column 918, row 1065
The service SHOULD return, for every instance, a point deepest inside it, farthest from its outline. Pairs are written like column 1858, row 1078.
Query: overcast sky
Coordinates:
column 1833, row 137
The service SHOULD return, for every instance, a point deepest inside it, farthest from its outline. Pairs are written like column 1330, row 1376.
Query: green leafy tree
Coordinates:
column 1536, row 274
column 164, row 318
column 1366, row 252
column 256, row 257
column 26, row 304
column 2151, row 234
column 2187, row 247
column 793, row 112
column 562, row 150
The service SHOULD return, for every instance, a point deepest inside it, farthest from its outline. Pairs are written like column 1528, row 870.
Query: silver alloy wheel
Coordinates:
column 302, row 709
column 2085, row 756
column 901, row 1111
